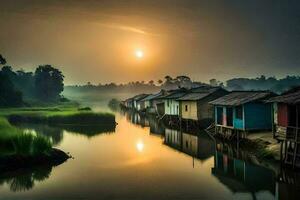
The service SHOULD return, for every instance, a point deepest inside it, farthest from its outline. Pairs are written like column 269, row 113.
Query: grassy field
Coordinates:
column 15, row 141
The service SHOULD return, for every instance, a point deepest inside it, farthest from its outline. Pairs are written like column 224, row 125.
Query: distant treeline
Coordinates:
column 18, row 87
column 137, row 86
column 259, row 83
column 263, row 83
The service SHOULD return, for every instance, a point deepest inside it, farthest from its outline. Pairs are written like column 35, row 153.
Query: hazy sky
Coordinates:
column 95, row 40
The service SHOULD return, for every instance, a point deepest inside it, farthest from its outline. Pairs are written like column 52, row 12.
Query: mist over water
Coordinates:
column 142, row 159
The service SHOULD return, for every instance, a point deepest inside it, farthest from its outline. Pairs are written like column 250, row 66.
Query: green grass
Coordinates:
column 7, row 130
column 15, row 141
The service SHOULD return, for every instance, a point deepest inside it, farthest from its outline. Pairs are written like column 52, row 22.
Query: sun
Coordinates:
column 139, row 54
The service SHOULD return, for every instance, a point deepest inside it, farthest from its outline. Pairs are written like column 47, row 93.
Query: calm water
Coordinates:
column 141, row 159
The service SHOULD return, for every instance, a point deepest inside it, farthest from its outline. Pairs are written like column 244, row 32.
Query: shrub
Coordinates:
column 83, row 118
column 41, row 145
column 84, row 109
column 22, row 143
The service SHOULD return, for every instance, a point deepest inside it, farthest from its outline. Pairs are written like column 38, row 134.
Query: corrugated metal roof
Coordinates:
column 139, row 96
column 199, row 93
column 193, row 96
column 241, row 97
column 153, row 96
column 175, row 95
column 204, row 89
column 289, row 98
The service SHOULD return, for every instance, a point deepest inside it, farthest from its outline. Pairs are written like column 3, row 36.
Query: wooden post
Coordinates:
column 273, row 129
column 296, row 138
column 281, row 150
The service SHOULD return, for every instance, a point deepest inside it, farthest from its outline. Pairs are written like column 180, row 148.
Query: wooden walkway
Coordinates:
column 290, row 141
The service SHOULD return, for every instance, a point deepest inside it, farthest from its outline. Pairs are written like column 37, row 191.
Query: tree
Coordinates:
column 9, row 96
column 48, row 82
column 159, row 81
column 168, row 78
column 183, row 78
column 151, row 82
column 2, row 60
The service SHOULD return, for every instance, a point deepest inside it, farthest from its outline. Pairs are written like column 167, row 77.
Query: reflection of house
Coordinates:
column 138, row 119
column 173, row 138
column 244, row 111
column 195, row 105
column 155, row 127
column 288, row 185
column 240, row 176
column 190, row 144
column 199, row 146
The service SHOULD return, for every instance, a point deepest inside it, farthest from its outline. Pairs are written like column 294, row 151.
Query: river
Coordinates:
column 142, row 159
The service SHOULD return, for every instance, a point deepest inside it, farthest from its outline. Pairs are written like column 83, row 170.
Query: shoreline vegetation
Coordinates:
column 36, row 97
column 20, row 149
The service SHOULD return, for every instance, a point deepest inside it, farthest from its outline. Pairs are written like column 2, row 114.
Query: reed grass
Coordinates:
column 15, row 141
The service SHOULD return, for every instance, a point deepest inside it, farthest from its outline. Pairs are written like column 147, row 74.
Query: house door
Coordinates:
column 220, row 115
column 229, row 116
column 292, row 115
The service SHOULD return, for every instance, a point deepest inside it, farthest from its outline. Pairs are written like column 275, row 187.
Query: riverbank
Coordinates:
column 20, row 149
column 18, row 161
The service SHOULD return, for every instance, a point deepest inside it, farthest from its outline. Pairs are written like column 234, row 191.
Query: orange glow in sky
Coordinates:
column 139, row 53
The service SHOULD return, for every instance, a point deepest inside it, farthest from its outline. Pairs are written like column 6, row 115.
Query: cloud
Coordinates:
column 126, row 28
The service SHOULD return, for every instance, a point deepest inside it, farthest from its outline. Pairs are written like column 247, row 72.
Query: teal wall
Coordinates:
column 238, row 123
column 258, row 116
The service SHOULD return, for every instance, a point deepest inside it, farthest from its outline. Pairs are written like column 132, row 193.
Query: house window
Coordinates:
column 229, row 116
column 239, row 112
column 186, row 108
column 220, row 115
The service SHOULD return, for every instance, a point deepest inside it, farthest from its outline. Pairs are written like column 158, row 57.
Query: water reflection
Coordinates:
column 233, row 167
column 145, row 159
column 199, row 145
column 240, row 176
column 25, row 179
column 55, row 133
column 140, row 146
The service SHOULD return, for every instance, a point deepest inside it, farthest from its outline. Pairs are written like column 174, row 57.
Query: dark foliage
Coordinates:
column 45, row 84
column 48, row 82
column 2, row 60
column 9, row 97
column 84, row 109
column 263, row 83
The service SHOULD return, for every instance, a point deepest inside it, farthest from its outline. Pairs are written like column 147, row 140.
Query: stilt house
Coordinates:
column 195, row 106
column 243, row 111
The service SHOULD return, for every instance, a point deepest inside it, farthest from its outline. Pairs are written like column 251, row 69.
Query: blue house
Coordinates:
column 244, row 111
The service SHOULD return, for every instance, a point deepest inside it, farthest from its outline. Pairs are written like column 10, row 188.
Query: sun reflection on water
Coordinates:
column 140, row 146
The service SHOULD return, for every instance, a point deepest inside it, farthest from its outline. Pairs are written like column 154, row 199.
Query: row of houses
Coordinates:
column 230, row 112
